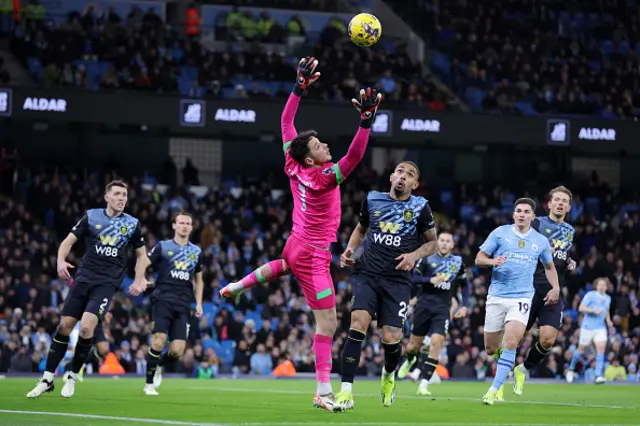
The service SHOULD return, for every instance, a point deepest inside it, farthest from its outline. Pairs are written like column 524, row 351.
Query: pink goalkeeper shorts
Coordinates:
column 310, row 266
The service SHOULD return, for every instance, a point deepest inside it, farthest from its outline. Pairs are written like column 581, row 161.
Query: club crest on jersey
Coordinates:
column 192, row 257
column 548, row 231
column 124, row 230
column 453, row 268
column 434, row 265
column 377, row 213
column 98, row 226
column 521, row 244
column 408, row 215
column 170, row 253
column 328, row 171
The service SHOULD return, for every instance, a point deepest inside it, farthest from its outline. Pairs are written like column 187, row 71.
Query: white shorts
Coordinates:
column 591, row 336
column 500, row 311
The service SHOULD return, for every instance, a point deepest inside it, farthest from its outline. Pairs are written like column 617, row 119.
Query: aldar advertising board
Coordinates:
column 254, row 118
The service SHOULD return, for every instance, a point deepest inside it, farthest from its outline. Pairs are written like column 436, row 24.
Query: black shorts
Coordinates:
column 171, row 319
column 550, row 315
column 84, row 297
column 98, row 334
column 430, row 318
column 385, row 301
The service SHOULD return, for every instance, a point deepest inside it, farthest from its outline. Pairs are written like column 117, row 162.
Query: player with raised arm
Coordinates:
column 439, row 278
column 107, row 232
column 315, row 185
column 393, row 224
column 178, row 263
column 595, row 307
column 560, row 235
column 513, row 252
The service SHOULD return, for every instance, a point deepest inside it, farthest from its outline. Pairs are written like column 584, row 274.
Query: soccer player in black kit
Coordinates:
column 393, row 224
column 560, row 235
column 440, row 277
column 107, row 232
column 178, row 262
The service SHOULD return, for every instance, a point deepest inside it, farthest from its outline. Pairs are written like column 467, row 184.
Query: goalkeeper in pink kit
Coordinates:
column 315, row 184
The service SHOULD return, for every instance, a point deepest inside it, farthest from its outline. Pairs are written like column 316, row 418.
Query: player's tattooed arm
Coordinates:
column 357, row 235
column 408, row 260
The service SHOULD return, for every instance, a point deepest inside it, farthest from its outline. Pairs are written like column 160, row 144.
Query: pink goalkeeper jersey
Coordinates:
column 316, row 191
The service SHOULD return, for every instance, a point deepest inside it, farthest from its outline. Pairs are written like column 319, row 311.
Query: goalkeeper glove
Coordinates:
column 367, row 105
column 306, row 74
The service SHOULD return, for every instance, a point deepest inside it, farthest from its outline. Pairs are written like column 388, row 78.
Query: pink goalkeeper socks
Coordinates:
column 322, row 348
column 264, row 274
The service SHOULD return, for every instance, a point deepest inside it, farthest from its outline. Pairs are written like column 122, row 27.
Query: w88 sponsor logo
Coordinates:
column 108, row 251
column 180, row 275
column 387, row 239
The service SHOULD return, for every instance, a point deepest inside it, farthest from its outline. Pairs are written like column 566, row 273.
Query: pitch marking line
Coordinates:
column 179, row 423
column 442, row 398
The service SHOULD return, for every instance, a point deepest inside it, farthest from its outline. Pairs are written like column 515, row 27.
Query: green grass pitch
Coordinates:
column 102, row 402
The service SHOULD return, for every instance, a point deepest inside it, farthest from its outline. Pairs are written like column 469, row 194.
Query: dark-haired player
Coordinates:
column 108, row 232
column 560, row 235
column 315, row 185
column 439, row 276
column 178, row 263
column 393, row 224
column 513, row 251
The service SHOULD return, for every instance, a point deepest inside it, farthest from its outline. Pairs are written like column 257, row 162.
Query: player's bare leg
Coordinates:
column 536, row 354
column 391, row 341
column 57, row 351
column 88, row 324
column 513, row 332
column 415, row 342
column 263, row 275
column 326, row 324
column 158, row 341
column 431, row 363
column 351, row 353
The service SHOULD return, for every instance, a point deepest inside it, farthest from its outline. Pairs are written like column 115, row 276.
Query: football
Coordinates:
column 365, row 30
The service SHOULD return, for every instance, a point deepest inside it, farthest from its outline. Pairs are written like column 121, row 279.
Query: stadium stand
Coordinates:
column 240, row 231
column 568, row 58
column 105, row 50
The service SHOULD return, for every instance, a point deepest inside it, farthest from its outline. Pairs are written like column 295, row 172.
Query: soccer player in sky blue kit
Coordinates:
column 513, row 252
column 595, row 307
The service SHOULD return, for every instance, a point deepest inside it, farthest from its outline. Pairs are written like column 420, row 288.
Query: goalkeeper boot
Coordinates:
column 405, row 367
column 520, row 375
column 388, row 385
column 344, row 402
column 43, row 386
column 500, row 394
column 227, row 293
column 490, row 397
column 324, row 402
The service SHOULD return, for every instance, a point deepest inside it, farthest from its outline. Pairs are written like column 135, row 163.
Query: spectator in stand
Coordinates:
column 261, row 362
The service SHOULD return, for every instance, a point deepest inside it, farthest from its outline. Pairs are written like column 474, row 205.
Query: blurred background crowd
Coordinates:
column 245, row 224
column 516, row 57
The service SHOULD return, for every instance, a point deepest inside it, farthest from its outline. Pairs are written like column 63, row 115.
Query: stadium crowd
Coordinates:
column 575, row 57
column 271, row 326
column 102, row 50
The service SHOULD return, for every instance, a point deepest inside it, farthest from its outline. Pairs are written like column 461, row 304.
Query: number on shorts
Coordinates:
column 561, row 317
column 303, row 197
column 402, row 313
column 446, row 327
column 188, row 328
column 524, row 307
column 103, row 306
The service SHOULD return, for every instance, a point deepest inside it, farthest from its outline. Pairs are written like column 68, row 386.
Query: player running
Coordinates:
column 513, row 252
column 560, row 235
column 595, row 307
column 178, row 262
column 392, row 224
column 439, row 276
column 315, row 182
column 107, row 232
